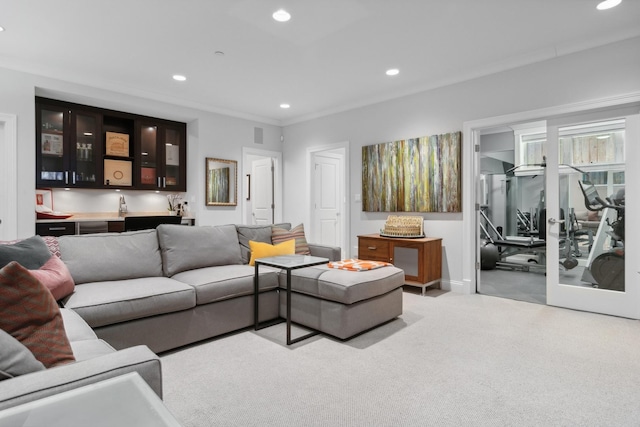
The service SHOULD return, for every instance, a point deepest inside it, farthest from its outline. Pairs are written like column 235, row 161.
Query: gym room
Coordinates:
column 584, row 176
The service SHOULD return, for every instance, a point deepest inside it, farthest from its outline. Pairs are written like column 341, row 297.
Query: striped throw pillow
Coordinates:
column 30, row 314
column 279, row 235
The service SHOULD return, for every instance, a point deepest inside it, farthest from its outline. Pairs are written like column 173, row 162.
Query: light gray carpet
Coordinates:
column 449, row 360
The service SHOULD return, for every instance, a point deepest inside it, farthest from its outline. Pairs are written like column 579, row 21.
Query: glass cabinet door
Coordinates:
column 87, row 149
column 161, row 157
column 68, row 145
column 51, row 139
column 149, row 176
column 172, row 149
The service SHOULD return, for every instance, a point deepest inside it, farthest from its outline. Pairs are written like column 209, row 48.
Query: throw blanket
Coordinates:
column 355, row 264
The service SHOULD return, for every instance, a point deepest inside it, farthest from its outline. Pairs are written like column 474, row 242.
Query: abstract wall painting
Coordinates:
column 413, row 175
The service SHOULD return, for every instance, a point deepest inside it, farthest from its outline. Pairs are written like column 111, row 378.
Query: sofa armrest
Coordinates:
column 332, row 252
column 36, row 385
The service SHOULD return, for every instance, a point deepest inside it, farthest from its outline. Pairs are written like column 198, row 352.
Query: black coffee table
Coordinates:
column 287, row 263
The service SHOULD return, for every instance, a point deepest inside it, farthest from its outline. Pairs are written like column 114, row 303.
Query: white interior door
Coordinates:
column 328, row 199
column 592, row 157
column 262, row 207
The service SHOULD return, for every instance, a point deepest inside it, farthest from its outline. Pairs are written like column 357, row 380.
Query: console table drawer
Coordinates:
column 373, row 249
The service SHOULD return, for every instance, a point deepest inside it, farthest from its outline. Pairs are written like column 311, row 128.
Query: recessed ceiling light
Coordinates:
column 281, row 15
column 285, row 106
column 608, row 4
column 179, row 77
column 393, row 72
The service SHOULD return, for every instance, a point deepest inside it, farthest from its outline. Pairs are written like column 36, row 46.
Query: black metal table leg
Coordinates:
column 255, row 297
column 287, row 266
column 304, row 337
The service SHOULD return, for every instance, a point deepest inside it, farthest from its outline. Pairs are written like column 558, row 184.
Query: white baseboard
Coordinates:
column 456, row 286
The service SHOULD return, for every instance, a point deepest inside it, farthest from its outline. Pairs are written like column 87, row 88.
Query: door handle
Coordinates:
column 554, row 221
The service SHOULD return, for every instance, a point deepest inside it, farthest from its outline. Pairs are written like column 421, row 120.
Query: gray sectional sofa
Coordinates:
column 95, row 361
column 154, row 290
column 176, row 285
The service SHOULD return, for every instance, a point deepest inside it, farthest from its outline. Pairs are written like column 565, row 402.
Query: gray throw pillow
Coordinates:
column 187, row 248
column 111, row 256
column 256, row 233
column 30, row 253
column 15, row 358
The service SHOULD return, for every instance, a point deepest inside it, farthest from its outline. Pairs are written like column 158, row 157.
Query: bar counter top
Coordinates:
column 104, row 216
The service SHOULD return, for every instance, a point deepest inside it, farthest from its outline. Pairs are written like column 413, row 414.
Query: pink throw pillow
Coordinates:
column 30, row 315
column 55, row 276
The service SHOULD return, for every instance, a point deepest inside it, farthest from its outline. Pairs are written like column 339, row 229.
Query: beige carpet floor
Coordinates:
column 449, row 360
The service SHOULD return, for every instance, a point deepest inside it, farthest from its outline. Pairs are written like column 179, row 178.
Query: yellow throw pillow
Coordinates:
column 262, row 250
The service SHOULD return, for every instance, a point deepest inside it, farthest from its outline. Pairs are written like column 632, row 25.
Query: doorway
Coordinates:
column 328, row 186
column 509, row 204
column 261, row 186
column 546, row 239
column 8, row 173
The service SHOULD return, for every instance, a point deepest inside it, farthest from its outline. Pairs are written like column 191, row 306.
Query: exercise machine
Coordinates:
column 605, row 264
column 496, row 248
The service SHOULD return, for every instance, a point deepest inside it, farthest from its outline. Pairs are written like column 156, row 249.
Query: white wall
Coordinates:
column 594, row 74
column 209, row 135
column 597, row 73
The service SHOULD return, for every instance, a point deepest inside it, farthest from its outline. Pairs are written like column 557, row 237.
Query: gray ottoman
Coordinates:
column 343, row 303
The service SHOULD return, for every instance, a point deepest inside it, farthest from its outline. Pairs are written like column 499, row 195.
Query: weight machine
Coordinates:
column 605, row 264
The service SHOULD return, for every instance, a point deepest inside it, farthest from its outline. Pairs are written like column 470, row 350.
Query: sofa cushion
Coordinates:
column 106, row 303
column 263, row 250
column 31, row 315
column 186, row 248
column 256, row 233
column 111, row 256
column 279, row 235
column 55, row 276
column 346, row 287
column 227, row 281
column 31, row 253
column 75, row 327
column 90, row 349
column 15, row 358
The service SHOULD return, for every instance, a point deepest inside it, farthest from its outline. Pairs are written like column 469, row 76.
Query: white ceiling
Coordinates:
column 330, row 57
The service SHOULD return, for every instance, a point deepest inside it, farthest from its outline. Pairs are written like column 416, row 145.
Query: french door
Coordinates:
column 592, row 185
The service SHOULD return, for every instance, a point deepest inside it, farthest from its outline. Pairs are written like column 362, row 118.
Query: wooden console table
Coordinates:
column 421, row 259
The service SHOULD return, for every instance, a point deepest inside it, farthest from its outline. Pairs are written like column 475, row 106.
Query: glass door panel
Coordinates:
column 86, row 148
column 586, row 206
column 172, row 158
column 52, row 149
column 149, row 156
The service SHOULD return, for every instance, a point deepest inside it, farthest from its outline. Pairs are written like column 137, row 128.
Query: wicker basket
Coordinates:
column 403, row 226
